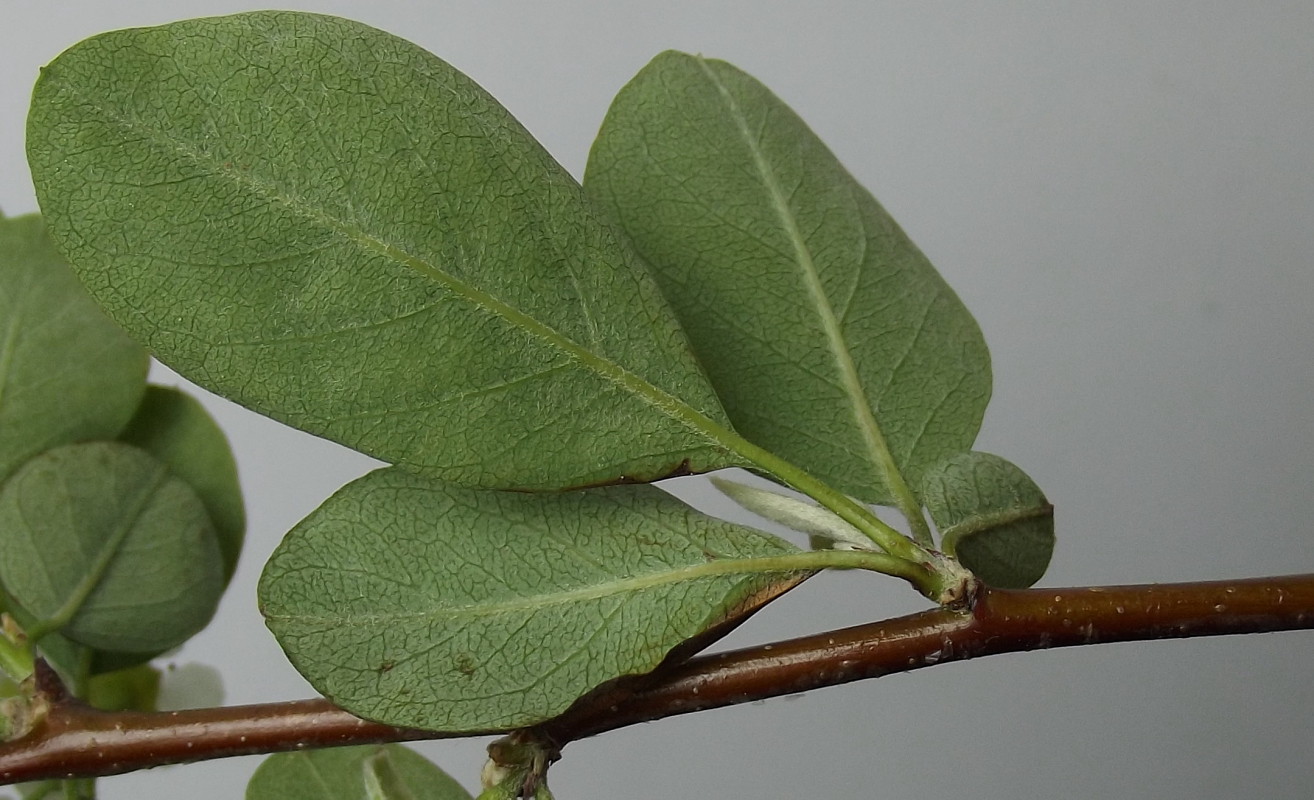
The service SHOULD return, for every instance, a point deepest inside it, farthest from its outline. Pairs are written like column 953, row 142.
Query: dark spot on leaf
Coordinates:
column 465, row 664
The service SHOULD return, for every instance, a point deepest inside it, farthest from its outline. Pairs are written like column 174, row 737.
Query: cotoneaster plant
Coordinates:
column 339, row 230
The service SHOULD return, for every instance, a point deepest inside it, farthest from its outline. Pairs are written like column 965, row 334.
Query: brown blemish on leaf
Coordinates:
column 465, row 664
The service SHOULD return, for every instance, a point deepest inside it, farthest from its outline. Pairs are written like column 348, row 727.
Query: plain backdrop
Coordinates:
column 1122, row 193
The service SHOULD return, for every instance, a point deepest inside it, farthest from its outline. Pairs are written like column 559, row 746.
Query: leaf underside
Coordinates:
column 174, row 427
column 337, row 229
column 828, row 335
column 993, row 518
column 67, row 372
column 420, row 604
column 385, row 772
column 104, row 527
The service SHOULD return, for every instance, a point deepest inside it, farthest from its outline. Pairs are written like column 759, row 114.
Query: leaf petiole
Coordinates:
column 15, row 651
column 886, row 537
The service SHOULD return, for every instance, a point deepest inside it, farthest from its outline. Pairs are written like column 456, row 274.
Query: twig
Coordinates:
column 76, row 741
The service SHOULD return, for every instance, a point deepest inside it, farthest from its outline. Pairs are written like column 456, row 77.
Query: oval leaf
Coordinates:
column 67, row 372
column 420, row 604
column 98, row 541
column 174, row 427
column 828, row 335
column 337, row 229
column 372, row 772
column 993, row 518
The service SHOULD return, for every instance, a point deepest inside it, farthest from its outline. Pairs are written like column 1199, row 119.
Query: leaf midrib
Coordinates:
column 104, row 557
column 659, row 399
column 838, row 345
column 801, row 561
column 879, row 454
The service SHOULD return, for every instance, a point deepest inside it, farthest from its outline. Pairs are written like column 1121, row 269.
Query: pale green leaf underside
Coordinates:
column 420, row 604
column 830, row 338
column 388, row 771
column 100, row 536
column 337, row 229
column 174, row 427
column 993, row 518
column 800, row 515
column 67, row 373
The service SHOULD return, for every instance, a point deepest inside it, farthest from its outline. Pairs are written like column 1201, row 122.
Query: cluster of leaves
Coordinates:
column 337, row 229
column 121, row 519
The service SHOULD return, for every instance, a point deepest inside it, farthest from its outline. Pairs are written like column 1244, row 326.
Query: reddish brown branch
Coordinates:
column 1001, row 622
column 77, row 741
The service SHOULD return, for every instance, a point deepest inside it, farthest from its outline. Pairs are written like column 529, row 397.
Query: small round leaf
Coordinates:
column 992, row 517
column 100, row 542
column 175, row 428
column 67, row 373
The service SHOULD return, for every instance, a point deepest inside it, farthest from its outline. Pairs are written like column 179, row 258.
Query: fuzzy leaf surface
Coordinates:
column 829, row 336
column 815, row 521
column 375, row 772
column 174, row 427
column 420, row 604
column 67, row 372
column 101, row 537
column 337, row 229
column 992, row 517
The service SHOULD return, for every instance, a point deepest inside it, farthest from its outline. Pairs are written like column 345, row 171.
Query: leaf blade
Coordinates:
column 828, row 335
column 364, row 224
column 519, row 603
column 99, row 539
column 993, row 518
column 349, row 773
column 175, row 428
column 67, row 372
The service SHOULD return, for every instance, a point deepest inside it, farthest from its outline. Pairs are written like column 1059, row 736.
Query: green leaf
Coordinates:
column 104, row 661
column 67, row 373
column 829, row 337
column 993, row 518
column 67, row 657
column 100, row 543
column 132, row 689
column 372, row 772
column 420, row 604
column 339, row 230
column 175, row 428
column 75, row 789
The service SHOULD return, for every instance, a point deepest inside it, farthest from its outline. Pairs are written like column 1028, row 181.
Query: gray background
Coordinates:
column 1121, row 192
